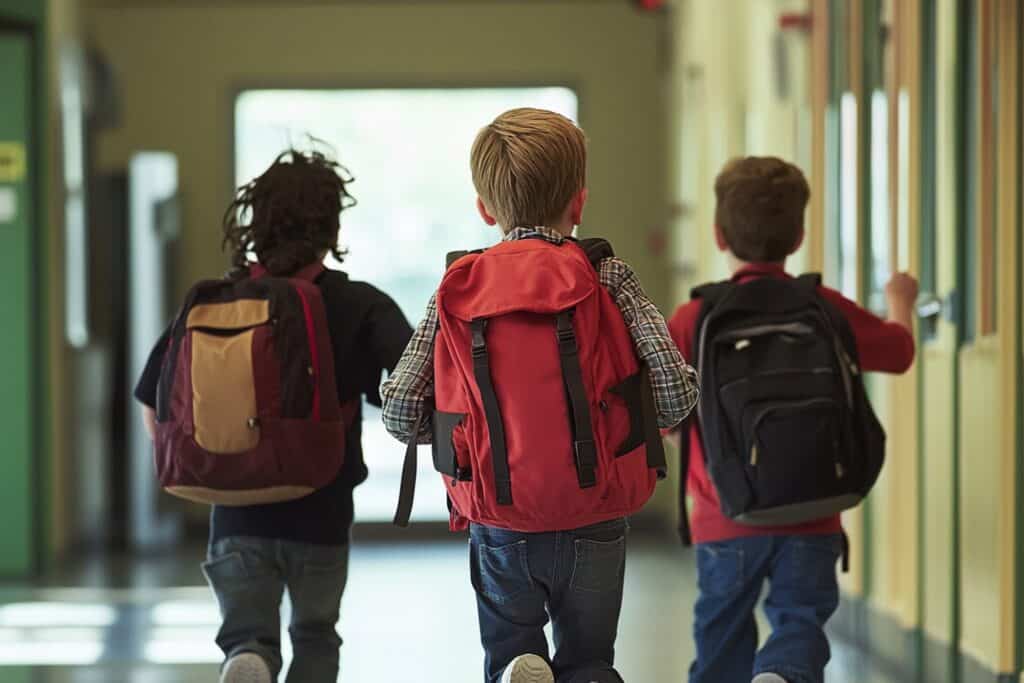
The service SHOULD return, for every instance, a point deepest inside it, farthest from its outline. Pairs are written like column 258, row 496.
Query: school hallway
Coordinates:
column 408, row 615
column 127, row 125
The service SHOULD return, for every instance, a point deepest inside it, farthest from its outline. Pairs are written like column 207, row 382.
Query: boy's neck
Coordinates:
column 736, row 264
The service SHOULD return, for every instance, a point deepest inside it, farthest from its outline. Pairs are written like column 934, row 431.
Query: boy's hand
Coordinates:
column 901, row 290
column 901, row 293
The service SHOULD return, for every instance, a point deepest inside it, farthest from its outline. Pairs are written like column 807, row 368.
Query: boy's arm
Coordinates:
column 410, row 385
column 145, row 389
column 882, row 345
column 149, row 421
column 673, row 381
column 387, row 333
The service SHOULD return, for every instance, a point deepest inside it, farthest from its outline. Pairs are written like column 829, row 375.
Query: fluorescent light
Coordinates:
column 182, row 646
column 35, row 614
column 50, row 652
column 185, row 613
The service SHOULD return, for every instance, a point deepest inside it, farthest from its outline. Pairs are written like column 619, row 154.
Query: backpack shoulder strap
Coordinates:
column 454, row 256
column 685, row 532
column 712, row 292
column 310, row 273
column 809, row 283
column 596, row 249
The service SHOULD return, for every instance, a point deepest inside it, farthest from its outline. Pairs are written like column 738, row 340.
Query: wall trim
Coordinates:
column 904, row 653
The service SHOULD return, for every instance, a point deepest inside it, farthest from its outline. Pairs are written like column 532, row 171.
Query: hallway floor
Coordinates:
column 408, row 615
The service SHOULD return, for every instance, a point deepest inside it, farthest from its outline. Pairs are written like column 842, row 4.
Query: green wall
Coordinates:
column 21, row 125
column 24, row 10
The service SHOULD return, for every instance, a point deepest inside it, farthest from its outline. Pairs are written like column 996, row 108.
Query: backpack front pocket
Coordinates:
column 794, row 451
column 224, row 409
column 444, row 450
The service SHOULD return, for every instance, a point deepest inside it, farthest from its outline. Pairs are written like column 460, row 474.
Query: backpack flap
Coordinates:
column 526, row 275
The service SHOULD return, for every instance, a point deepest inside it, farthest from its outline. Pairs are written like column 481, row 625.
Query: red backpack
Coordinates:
column 544, row 418
column 247, row 408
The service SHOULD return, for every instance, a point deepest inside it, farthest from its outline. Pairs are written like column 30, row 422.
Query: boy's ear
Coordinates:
column 720, row 240
column 576, row 206
column 488, row 218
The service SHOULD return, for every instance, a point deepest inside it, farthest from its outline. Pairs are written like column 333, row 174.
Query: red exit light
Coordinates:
column 650, row 5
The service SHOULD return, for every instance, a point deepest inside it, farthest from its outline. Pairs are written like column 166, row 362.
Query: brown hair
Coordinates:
column 528, row 165
column 289, row 215
column 760, row 207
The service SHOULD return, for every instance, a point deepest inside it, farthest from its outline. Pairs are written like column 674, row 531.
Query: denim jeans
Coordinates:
column 573, row 577
column 249, row 575
column 803, row 594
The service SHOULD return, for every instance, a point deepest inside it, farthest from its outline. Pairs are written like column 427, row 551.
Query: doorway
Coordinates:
column 408, row 150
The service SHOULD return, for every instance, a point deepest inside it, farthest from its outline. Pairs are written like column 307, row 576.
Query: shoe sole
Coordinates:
column 532, row 672
column 245, row 670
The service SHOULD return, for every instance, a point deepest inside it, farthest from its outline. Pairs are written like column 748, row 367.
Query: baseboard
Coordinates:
column 906, row 654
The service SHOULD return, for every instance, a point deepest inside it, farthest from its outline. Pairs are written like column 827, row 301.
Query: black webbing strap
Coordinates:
column 685, row 535
column 584, row 448
column 407, row 490
column 492, row 411
column 846, row 553
column 652, row 435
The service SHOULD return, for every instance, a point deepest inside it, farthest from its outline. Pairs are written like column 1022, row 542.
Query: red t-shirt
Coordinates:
column 882, row 346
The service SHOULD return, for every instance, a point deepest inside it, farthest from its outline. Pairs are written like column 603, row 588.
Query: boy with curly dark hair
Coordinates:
column 288, row 219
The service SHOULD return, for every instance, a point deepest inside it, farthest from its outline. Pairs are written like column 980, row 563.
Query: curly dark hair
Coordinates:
column 289, row 215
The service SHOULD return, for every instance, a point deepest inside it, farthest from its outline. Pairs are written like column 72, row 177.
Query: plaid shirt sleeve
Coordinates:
column 673, row 381
column 409, row 387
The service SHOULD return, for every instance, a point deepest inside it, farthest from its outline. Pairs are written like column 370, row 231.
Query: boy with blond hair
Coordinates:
column 541, row 374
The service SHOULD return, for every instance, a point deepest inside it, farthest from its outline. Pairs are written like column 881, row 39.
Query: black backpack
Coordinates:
column 788, row 432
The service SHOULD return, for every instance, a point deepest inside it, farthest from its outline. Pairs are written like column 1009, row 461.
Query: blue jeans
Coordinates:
column 804, row 593
column 575, row 577
column 249, row 575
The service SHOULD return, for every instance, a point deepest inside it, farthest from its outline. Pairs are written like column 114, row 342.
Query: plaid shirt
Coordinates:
column 674, row 382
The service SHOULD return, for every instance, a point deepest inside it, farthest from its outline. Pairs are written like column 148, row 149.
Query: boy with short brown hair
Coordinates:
column 796, row 425
column 545, row 477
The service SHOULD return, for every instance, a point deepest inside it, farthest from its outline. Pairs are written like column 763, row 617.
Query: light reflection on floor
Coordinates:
column 408, row 614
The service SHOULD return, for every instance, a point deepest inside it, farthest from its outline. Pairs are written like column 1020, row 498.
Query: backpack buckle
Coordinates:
column 479, row 344
column 566, row 334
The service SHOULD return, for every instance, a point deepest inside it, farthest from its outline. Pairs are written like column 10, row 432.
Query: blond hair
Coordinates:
column 527, row 166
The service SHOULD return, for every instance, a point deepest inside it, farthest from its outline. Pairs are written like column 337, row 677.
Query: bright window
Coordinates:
column 409, row 152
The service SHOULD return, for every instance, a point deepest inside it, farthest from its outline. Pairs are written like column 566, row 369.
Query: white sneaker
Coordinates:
column 768, row 678
column 247, row 667
column 528, row 669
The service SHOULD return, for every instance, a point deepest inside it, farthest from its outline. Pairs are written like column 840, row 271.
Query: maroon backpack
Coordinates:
column 247, row 408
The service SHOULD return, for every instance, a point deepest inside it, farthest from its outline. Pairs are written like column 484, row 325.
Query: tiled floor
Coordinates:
column 408, row 616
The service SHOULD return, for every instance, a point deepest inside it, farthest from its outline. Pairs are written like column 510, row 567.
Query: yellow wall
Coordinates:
column 180, row 66
column 63, row 31
column 728, row 103
column 727, row 106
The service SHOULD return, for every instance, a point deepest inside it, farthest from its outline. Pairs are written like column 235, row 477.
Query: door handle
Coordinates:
column 931, row 306
column 928, row 306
